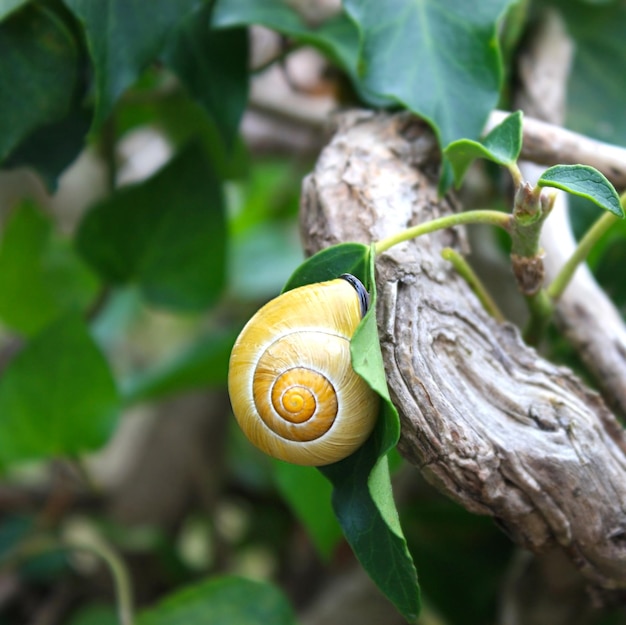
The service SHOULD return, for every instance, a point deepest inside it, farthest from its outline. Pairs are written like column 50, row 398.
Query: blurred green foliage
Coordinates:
column 138, row 298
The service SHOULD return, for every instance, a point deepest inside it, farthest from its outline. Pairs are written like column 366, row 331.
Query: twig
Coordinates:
column 584, row 313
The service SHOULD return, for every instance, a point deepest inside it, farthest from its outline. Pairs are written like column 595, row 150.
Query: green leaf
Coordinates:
column 40, row 274
column 57, row 396
column 201, row 365
column 52, row 148
column 167, row 234
column 308, row 495
column 123, row 37
column 222, row 601
column 213, row 64
column 586, row 182
column 502, row 146
column 439, row 58
column 327, row 265
column 362, row 495
column 38, row 74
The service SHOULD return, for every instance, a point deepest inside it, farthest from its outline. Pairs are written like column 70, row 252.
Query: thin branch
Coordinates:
column 585, row 314
column 488, row 421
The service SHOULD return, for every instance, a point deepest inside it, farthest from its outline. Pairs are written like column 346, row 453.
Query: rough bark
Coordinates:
column 489, row 422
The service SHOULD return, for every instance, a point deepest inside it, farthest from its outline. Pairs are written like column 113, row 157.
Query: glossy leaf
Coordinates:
column 167, row 234
column 34, row 43
column 308, row 494
column 439, row 58
column 329, row 264
column 123, row 37
column 40, row 274
column 502, row 146
column 57, row 396
column 586, row 182
column 202, row 365
column 224, row 600
column 362, row 495
column 213, row 64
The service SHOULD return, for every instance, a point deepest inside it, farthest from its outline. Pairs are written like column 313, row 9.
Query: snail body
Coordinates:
column 293, row 390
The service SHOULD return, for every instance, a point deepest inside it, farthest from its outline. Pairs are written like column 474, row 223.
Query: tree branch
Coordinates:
column 586, row 316
column 489, row 422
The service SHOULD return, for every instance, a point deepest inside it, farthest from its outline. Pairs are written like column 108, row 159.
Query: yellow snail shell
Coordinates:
column 291, row 383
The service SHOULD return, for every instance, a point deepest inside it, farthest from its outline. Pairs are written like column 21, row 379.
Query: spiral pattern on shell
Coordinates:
column 291, row 382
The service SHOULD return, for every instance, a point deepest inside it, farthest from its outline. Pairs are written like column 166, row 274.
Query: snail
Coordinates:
column 292, row 386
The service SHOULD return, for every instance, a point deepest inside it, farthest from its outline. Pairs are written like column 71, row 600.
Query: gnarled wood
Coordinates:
column 490, row 422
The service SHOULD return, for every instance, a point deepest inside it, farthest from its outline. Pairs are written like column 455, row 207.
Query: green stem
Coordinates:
column 474, row 282
column 43, row 543
column 541, row 308
column 119, row 573
column 516, row 175
column 592, row 236
column 495, row 218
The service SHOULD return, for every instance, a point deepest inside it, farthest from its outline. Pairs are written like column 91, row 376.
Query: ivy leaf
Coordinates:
column 167, row 234
column 222, row 600
column 438, row 58
column 40, row 274
column 502, row 146
column 362, row 496
column 57, row 396
column 34, row 43
column 123, row 37
column 213, row 64
column 584, row 181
